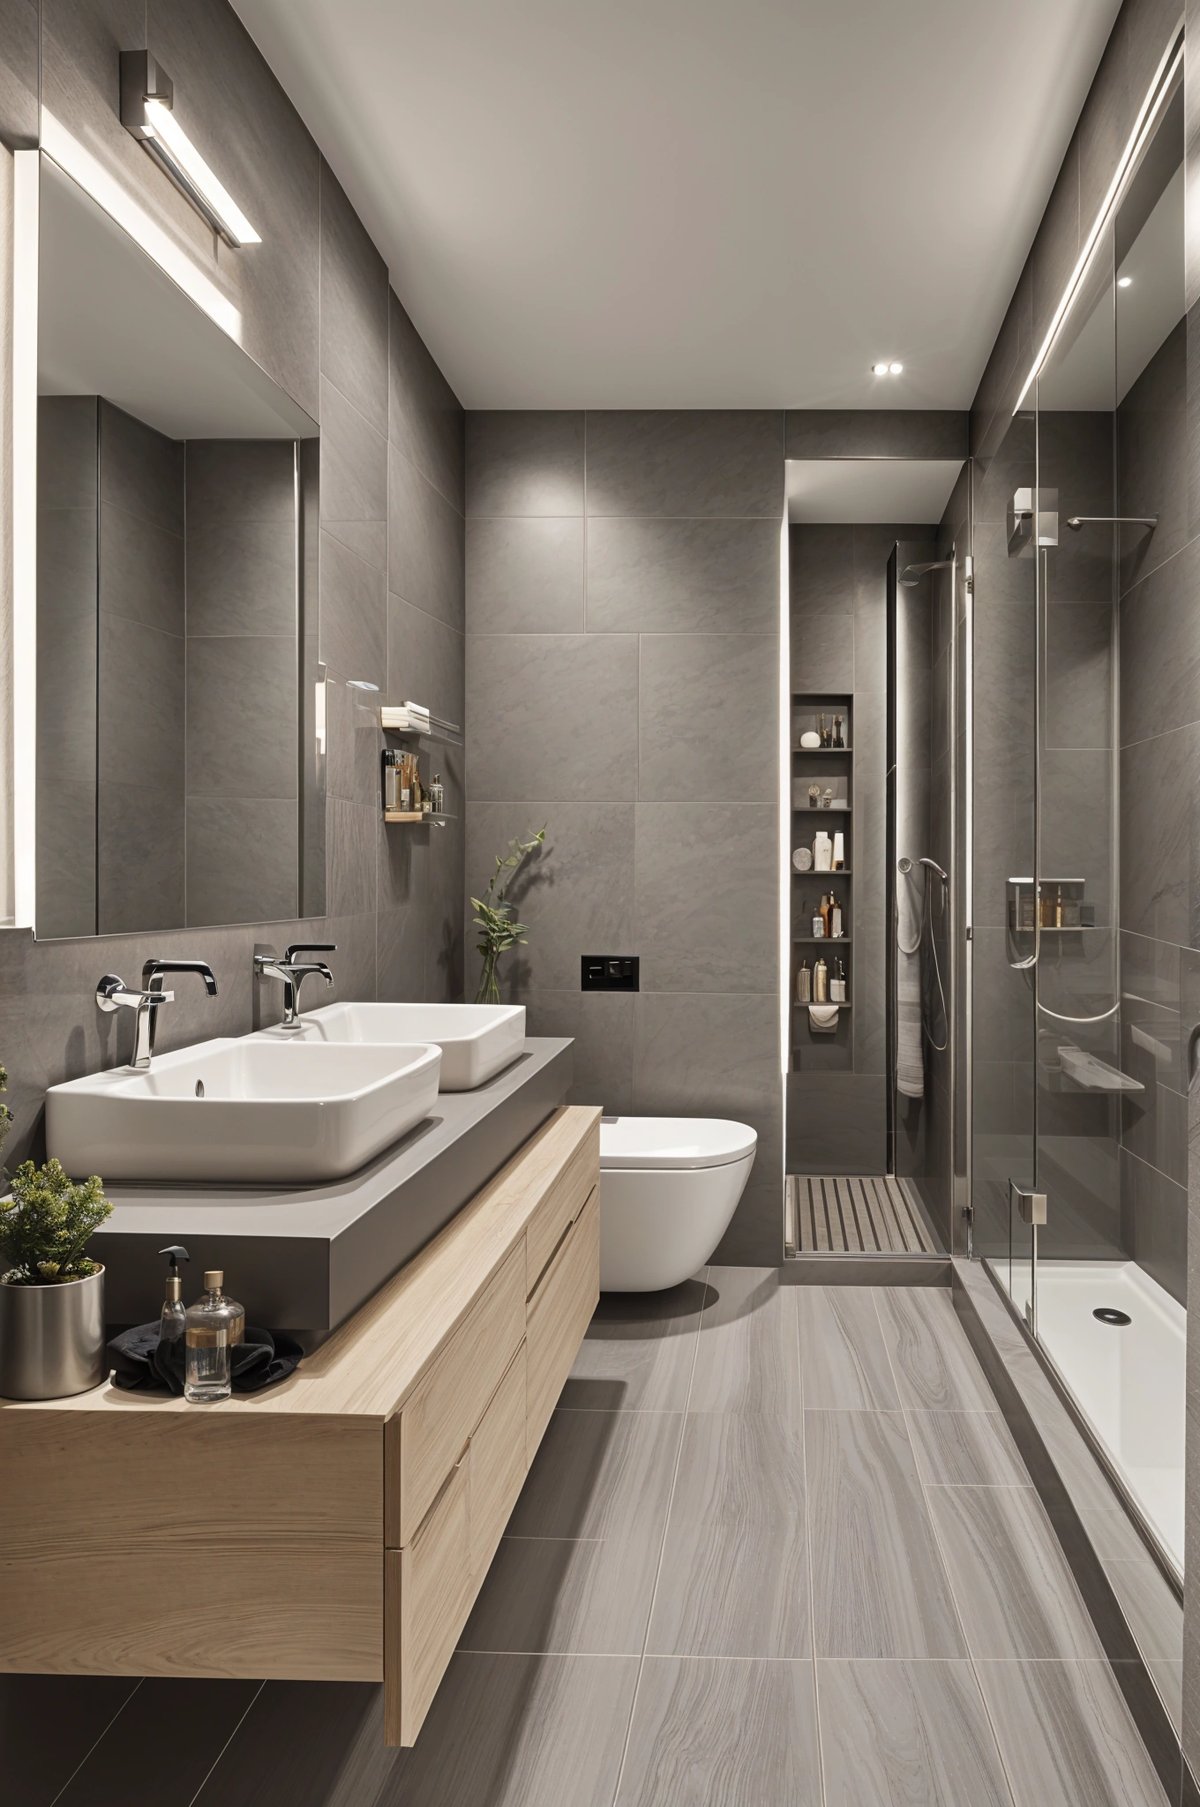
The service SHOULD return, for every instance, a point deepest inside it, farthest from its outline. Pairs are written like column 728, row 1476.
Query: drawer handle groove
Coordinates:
column 550, row 1259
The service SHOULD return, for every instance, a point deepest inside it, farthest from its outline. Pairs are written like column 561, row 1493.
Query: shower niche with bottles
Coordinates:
column 822, row 807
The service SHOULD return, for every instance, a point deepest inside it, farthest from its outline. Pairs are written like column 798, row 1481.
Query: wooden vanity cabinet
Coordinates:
column 339, row 1526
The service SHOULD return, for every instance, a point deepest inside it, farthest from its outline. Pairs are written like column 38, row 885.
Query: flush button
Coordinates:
column 609, row 972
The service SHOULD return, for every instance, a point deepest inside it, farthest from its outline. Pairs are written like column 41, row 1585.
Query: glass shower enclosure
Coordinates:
column 1084, row 761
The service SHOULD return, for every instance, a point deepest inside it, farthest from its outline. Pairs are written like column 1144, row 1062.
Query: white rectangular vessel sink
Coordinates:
column 477, row 1040
column 243, row 1109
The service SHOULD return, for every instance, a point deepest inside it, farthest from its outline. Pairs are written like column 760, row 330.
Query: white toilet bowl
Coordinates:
column 668, row 1189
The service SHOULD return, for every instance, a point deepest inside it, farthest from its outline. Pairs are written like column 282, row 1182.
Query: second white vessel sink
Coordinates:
column 477, row 1040
column 243, row 1109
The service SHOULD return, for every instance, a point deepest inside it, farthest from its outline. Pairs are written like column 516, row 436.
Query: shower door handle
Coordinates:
column 1031, row 1206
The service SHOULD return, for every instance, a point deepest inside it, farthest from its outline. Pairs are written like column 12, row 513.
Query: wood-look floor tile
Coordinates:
column 562, row 1594
column 934, row 1363
column 903, row 1734
column 879, row 1586
column 306, row 1744
column 734, row 1574
column 162, row 1745
column 1067, row 1736
column 844, row 1364
column 1012, row 1583
column 599, row 1474
column 722, row 1734
column 514, row 1731
column 1152, row 1610
column 1168, row 1679
column 748, row 1353
column 638, row 1353
column 965, row 1449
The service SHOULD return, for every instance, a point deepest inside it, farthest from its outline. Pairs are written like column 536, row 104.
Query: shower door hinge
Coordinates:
column 969, row 574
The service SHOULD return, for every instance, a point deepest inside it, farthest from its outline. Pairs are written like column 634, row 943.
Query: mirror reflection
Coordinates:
column 176, row 763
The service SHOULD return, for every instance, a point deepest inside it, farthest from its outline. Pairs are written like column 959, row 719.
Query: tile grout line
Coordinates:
column 96, row 1742
column 233, row 1734
column 942, row 1557
column 683, row 1418
column 808, row 1557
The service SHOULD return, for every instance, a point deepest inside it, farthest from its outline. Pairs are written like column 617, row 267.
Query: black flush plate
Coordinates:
column 609, row 972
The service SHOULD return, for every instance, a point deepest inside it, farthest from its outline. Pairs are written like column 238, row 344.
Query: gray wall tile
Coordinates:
column 822, row 654
column 353, row 614
column 693, row 462
column 241, row 579
column 354, row 478
column 687, row 683
column 425, row 546
column 241, row 859
column 427, row 422
column 553, row 712
column 875, row 433
column 19, row 22
column 354, row 309
column 682, row 576
column 602, row 1025
column 706, row 897
column 524, row 463
column 241, row 703
column 524, row 575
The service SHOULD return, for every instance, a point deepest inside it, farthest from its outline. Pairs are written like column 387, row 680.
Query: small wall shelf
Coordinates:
column 415, row 817
column 846, row 1006
column 439, row 733
column 822, row 940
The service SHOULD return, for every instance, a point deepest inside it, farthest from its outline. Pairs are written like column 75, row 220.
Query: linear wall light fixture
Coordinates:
column 147, row 98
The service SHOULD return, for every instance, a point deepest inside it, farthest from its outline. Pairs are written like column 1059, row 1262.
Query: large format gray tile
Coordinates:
column 879, row 1587
column 139, row 877
column 706, row 899
column 524, row 463
column 425, row 543
column 1011, row 1580
column 748, row 1354
column 575, row 894
column 1151, row 1607
column 820, row 572
column 897, row 1734
column 242, row 860
column 161, row 1747
column 963, row 1449
column 525, row 575
column 553, row 715
column 427, row 422
column 568, row 1594
column 241, row 579
column 733, row 1581
column 141, row 470
column 241, row 717
column 822, row 655
column 876, row 433
column 682, row 576
column 1158, row 847
column 354, row 308
column 934, row 1363
column 240, row 480
column 141, row 571
column 722, row 1734
column 688, row 683
column 354, row 477
column 685, row 462
column 602, row 1027
column 1067, row 1735
column 80, row 1707
column 843, row 1361
column 19, row 73
column 68, row 474
column 354, row 607
column 140, row 690
column 599, row 1475
column 639, row 1352
column 711, row 1054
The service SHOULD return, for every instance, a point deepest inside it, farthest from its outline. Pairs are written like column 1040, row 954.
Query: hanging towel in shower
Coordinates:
column 910, row 1063
column 823, row 1018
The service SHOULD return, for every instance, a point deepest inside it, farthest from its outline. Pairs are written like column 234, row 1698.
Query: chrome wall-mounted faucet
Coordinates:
column 291, row 972
column 112, row 994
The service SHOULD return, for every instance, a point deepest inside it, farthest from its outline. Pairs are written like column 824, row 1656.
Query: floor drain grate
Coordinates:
column 1108, row 1314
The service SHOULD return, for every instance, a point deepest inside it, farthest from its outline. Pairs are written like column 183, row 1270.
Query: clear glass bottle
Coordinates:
column 212, row 1329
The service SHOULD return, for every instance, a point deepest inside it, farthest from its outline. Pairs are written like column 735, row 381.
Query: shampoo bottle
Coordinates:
column 820, row 983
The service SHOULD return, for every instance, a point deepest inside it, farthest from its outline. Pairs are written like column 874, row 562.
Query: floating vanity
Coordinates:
column 339, row 1526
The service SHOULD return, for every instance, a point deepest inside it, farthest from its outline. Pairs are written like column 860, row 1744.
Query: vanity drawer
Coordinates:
column 559, row 1315
column 429, row 1590
column 449, row 1400
column 560, row 1207
column 497, row 1466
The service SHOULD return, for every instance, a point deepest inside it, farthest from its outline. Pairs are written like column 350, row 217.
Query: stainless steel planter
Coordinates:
column 52, row 1338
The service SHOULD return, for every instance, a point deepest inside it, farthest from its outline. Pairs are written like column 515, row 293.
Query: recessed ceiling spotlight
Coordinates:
column 1124, row 282
column 886, row 367
column 895, row 369
column 880, row 369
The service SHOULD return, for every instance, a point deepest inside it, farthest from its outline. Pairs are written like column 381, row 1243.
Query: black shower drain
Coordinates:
column 1108, row 1314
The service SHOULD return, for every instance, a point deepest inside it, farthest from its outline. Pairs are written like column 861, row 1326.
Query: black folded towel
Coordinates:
column 141, row 1361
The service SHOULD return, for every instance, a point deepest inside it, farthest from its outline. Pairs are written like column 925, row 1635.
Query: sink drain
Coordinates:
column 1108, row 1314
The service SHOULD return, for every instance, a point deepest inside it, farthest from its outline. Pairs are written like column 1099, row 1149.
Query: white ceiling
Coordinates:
column 695, row 203
column 869, row 489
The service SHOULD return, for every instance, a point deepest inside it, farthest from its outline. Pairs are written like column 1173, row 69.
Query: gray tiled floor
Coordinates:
column 777, row 1550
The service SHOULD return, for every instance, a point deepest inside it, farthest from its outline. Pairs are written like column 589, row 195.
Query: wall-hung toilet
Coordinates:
column 668, row 1189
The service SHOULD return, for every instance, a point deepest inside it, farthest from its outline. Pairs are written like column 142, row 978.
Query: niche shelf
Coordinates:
column 415, row 817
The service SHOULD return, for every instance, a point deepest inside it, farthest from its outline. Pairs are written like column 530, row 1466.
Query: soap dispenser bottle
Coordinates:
column 173, row 1316
column 213, row 1328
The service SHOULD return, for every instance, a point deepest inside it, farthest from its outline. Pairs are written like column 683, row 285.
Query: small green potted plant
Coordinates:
column 494, row 918
column 51, row 1291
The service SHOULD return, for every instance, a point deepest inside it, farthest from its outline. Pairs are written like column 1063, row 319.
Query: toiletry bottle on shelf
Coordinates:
column 838, row 737
column 839, row 852
column 804, row 984
column 213, row 1328
column 818, row 925
column 172, row 1317
column 820, row 983
column 835, row 918
column 826, row 909
column 437, row 792
column 823, row 731
column 1058, row 909
column 837, row 985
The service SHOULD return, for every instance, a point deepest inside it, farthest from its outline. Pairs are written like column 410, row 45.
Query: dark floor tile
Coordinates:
column 907, row 1735
column 1066, row 1735
column 305, row 1744
column 48, row 1724
column 722, row 1734
column 158, row 1751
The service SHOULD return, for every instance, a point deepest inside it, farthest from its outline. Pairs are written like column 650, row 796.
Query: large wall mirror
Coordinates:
column 178, row 774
